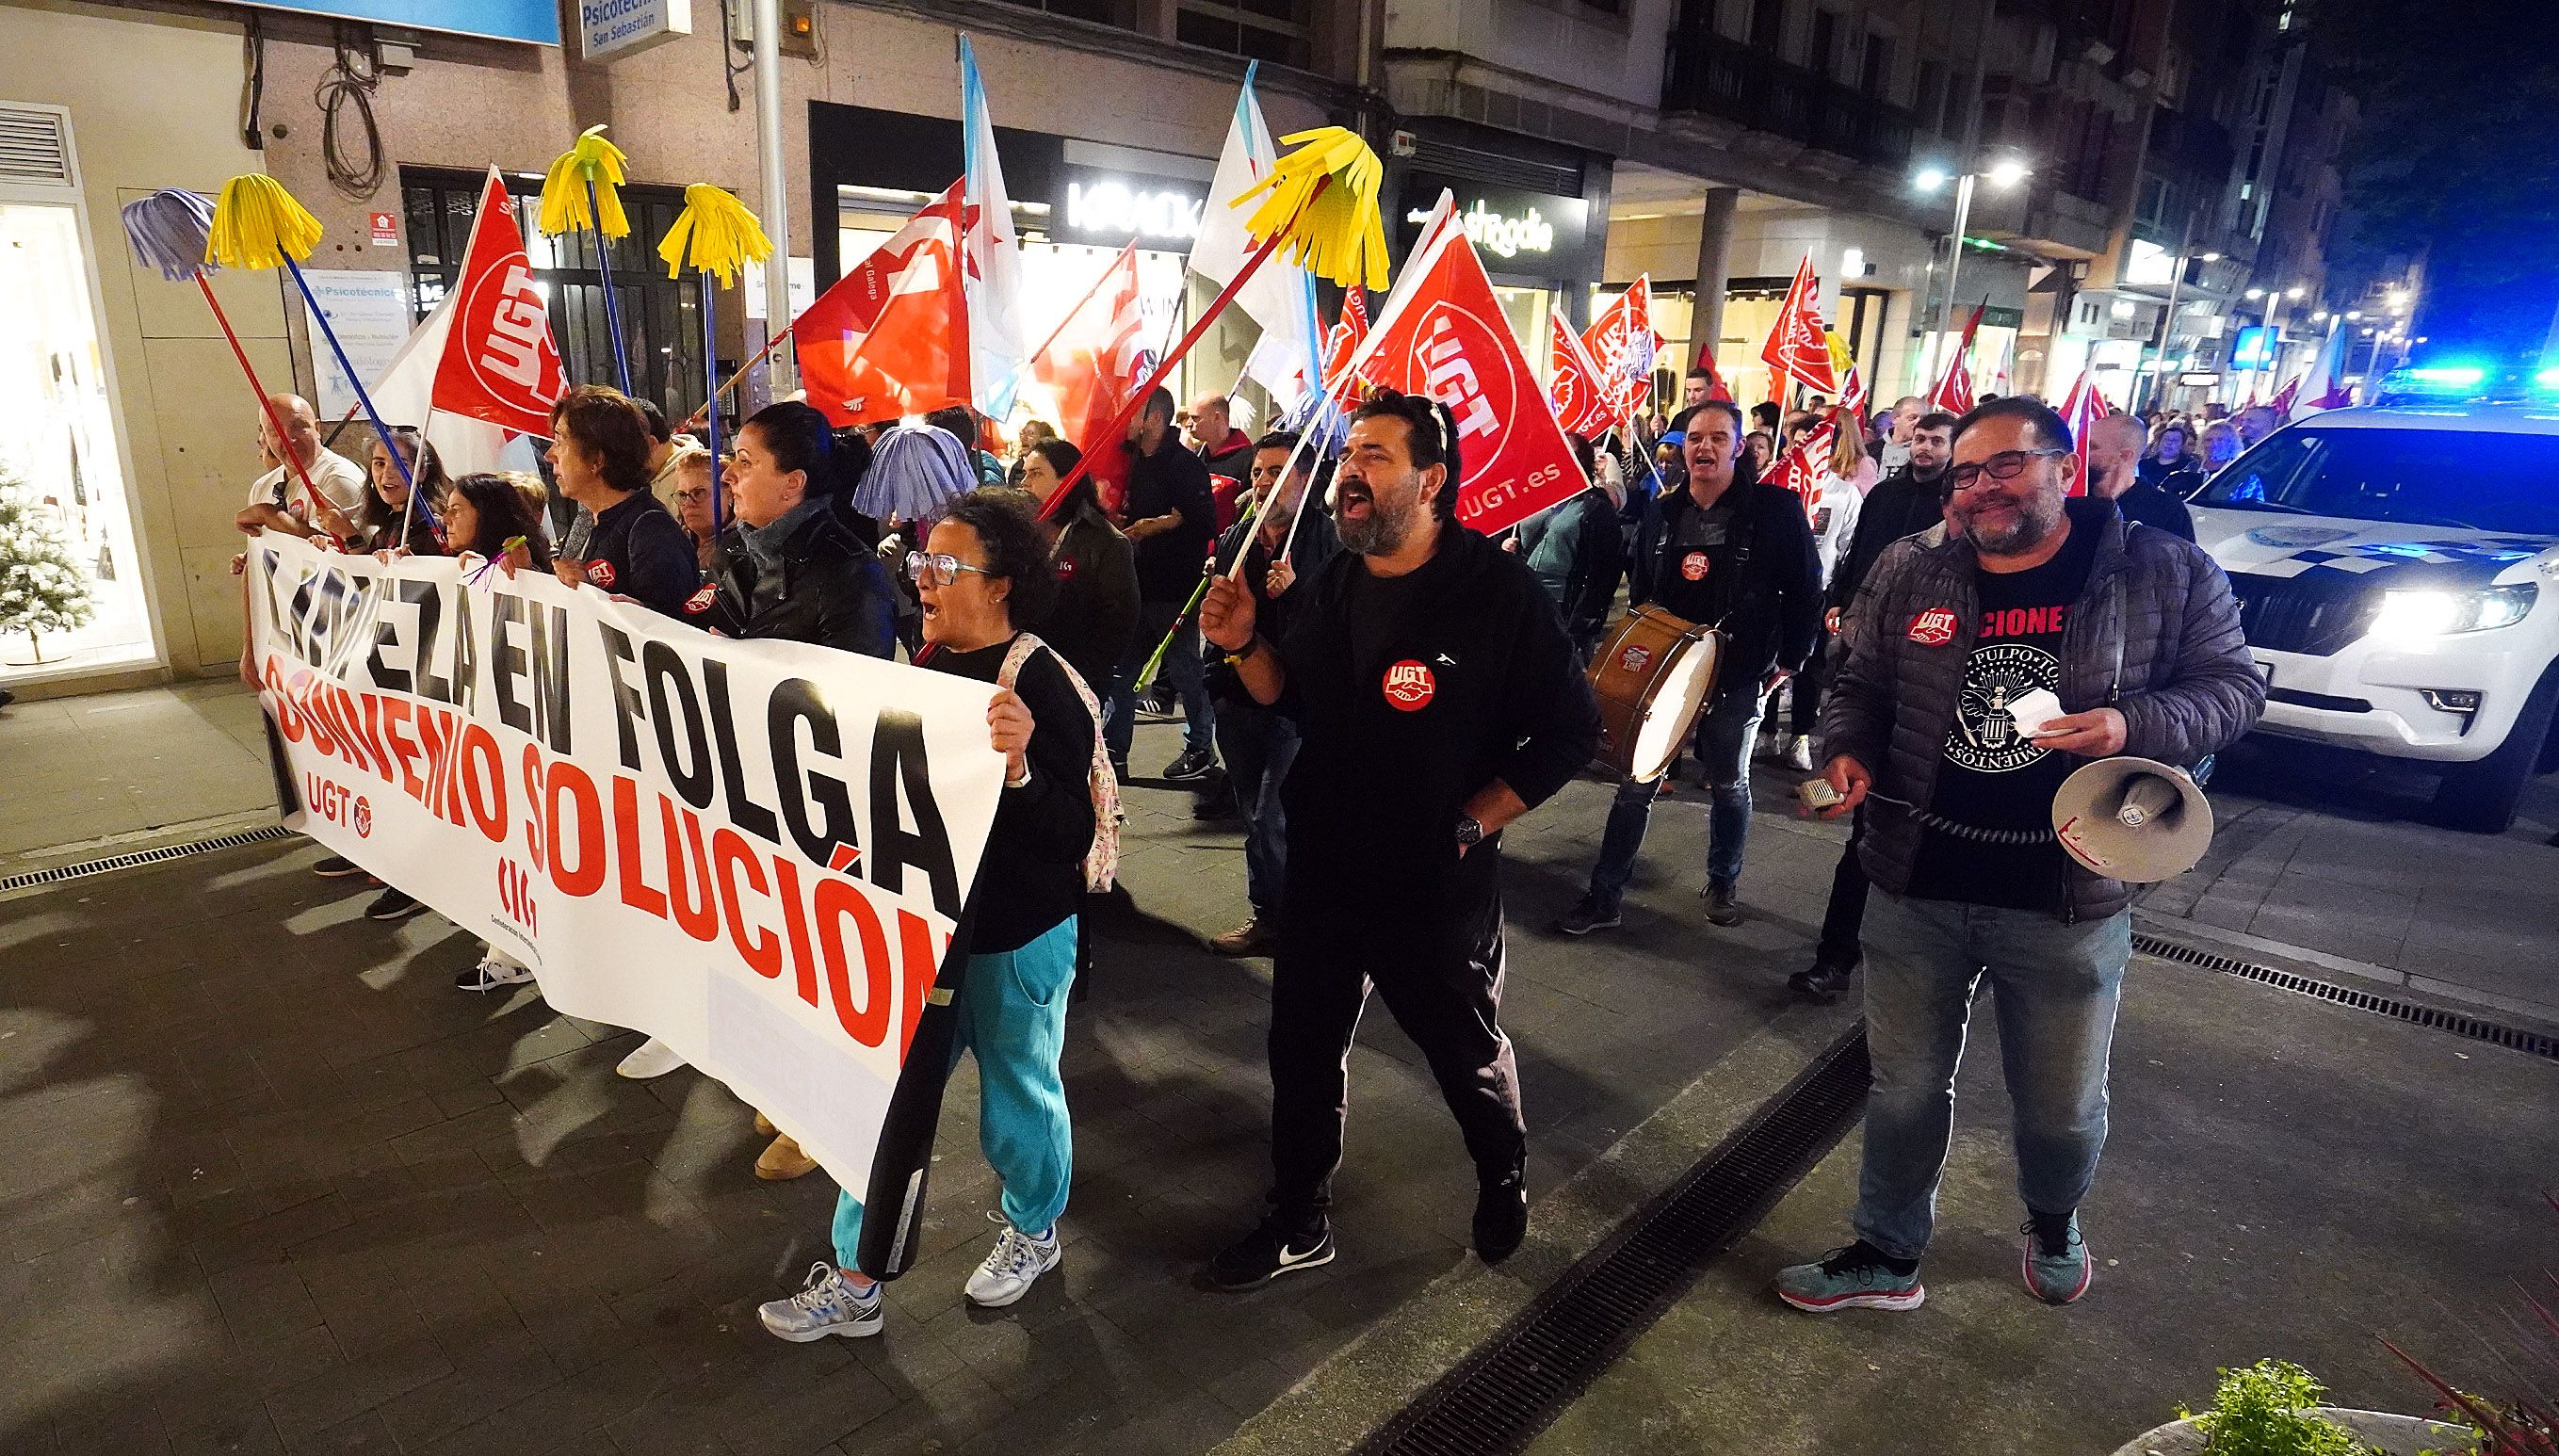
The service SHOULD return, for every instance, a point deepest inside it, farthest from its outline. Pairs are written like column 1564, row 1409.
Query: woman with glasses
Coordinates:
column 691, row 472
column 985, row 570
column 1096, row 611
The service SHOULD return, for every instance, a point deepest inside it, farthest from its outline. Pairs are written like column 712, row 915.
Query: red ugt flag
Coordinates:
column 1621, row 342
column 891, row 337
column 1806, row 462
column 1574, row 383
column 2082, row 408
column 1344, row 342
column 1449, row 340
column 1800, row 347
column 499, row 365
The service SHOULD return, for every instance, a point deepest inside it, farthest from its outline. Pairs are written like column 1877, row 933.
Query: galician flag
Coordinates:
column 2325, row 386
column 990, row 253
column 1281, row 296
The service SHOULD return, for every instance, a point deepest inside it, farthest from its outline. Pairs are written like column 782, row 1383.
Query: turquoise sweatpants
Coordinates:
column 1013, row 1016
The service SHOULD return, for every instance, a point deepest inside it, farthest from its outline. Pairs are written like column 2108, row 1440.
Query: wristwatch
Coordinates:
column 1470, row 833
column 1244, row 653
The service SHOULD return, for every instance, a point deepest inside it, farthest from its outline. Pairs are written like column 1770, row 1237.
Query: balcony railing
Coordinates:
column 1751, row 85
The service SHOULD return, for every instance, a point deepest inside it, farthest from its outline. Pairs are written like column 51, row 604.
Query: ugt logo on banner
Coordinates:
column 1448, row 338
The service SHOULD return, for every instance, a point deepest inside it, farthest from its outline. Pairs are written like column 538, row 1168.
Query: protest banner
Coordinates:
column 756, row 851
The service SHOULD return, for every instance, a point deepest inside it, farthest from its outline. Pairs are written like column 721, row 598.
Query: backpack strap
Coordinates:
column 1102, row 861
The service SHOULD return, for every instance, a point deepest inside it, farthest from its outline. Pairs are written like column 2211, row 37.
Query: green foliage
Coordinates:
column 2270, row 1410
column 41, row 588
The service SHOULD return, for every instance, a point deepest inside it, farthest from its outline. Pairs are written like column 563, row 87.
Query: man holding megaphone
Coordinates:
column 1987, row 659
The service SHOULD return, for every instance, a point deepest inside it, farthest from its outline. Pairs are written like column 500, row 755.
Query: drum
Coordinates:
column 1652, row 674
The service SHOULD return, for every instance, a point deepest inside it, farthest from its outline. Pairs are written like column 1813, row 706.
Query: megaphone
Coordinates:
column 2133, row 820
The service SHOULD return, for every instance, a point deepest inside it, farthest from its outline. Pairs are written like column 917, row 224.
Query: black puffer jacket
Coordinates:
column 826, row 587
column 2154, row 605
column 1094, row 612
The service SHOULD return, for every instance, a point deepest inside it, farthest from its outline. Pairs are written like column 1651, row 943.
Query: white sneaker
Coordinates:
column 652, row 1057
column 496, row 970
column 827, row 1305
column 1016, row 1261
column 1799, row 754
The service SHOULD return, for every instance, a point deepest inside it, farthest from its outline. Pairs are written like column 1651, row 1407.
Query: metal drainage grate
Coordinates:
column 1499, row 1398
column 141, row 857
column 2531, row 1043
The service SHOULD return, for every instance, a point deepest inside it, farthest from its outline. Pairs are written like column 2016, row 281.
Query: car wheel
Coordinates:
column 2480, row 798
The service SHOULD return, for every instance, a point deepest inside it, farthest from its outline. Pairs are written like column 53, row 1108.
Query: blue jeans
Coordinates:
column 1181, row 668
column 1258, row 746
column 2054, row 987
column 1015, row 1021
column 1723, row 733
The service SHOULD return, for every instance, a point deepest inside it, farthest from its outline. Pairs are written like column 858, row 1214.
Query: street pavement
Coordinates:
column 270, row 1184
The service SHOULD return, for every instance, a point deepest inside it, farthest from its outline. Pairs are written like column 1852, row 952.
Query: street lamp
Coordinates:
column 2006, row 173
column 2255, row 294
column 2295, row 293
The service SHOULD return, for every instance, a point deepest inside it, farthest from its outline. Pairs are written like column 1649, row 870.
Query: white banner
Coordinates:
column 756, row 851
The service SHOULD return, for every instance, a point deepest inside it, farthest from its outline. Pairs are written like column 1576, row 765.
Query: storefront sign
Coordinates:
column 1521, row 233
column 1092, row 206
column 535, row 21
column 2254, row 347
column 627, row 27
column 2201, row 377
column 370, row 311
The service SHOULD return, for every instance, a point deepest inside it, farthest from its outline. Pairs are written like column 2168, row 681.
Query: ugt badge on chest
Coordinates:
column 1409, row 685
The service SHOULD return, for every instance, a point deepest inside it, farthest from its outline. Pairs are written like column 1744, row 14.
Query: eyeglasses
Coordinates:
column 2005, row 466
column 690, row 496
column 938, row 568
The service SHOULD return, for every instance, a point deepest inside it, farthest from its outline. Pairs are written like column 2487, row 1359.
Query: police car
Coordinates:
column 2396, row 568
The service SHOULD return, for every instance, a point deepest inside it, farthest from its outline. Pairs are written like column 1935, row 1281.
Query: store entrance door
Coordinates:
column 71, row 587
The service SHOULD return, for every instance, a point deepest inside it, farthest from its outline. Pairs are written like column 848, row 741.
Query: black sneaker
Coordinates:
column 1501, row 1216
column 392, row 905
column 1822, row 984
column 1217, row 802
column 1120, row 766
column 1723, row 903
column 337, row 867
column 1278, row 1247
column 1588, row 915
column 1191, row 766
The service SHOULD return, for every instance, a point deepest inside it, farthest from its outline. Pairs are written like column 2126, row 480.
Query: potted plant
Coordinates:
column 2272, row 1408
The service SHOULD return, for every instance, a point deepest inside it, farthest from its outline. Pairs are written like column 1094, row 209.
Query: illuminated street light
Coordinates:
column 2256, row 293
column 2212, row 257
column 2008, row 173
column 2295, row 293
column 1929, row 178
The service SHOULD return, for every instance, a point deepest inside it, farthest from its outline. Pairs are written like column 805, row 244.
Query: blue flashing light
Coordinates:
column 2458, row 376
column 2547, row 378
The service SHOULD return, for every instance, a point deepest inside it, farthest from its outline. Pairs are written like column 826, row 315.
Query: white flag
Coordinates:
column 467, row 446
column 990, row 255
column 1281, row 297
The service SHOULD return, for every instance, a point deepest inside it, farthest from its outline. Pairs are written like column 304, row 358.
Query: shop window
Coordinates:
column 661, row 318
column 59, row 455
column 1260, row 30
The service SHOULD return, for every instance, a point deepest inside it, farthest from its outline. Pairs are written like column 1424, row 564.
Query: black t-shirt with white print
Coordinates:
column 1989, row 837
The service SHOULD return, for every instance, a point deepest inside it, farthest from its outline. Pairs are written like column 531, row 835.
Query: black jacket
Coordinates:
column 1772, row 615
column 2180, row 479
column 826, row 587
column 638, row 550
column 1171, row 480
column 2155, row 507
column 1033, row 870
column 1472, row 681
column 1096, row 611
column 1900, row 505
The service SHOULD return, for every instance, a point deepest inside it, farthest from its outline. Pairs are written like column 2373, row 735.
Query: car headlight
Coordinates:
column 2416, row 616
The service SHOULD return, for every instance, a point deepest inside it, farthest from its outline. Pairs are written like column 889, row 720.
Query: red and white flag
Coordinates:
column 1798, row 347
column 1446, row 337
column 891, row 337
column 1851, row 390
column 499, row 364
column 1621, row 342
column 1954, row 391
column 2282, row 403
column 1347, row 336
column 1806, row 462
column 1715, row 389
column 1572, row 383
column 2080, row 409
column 1089, row 367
